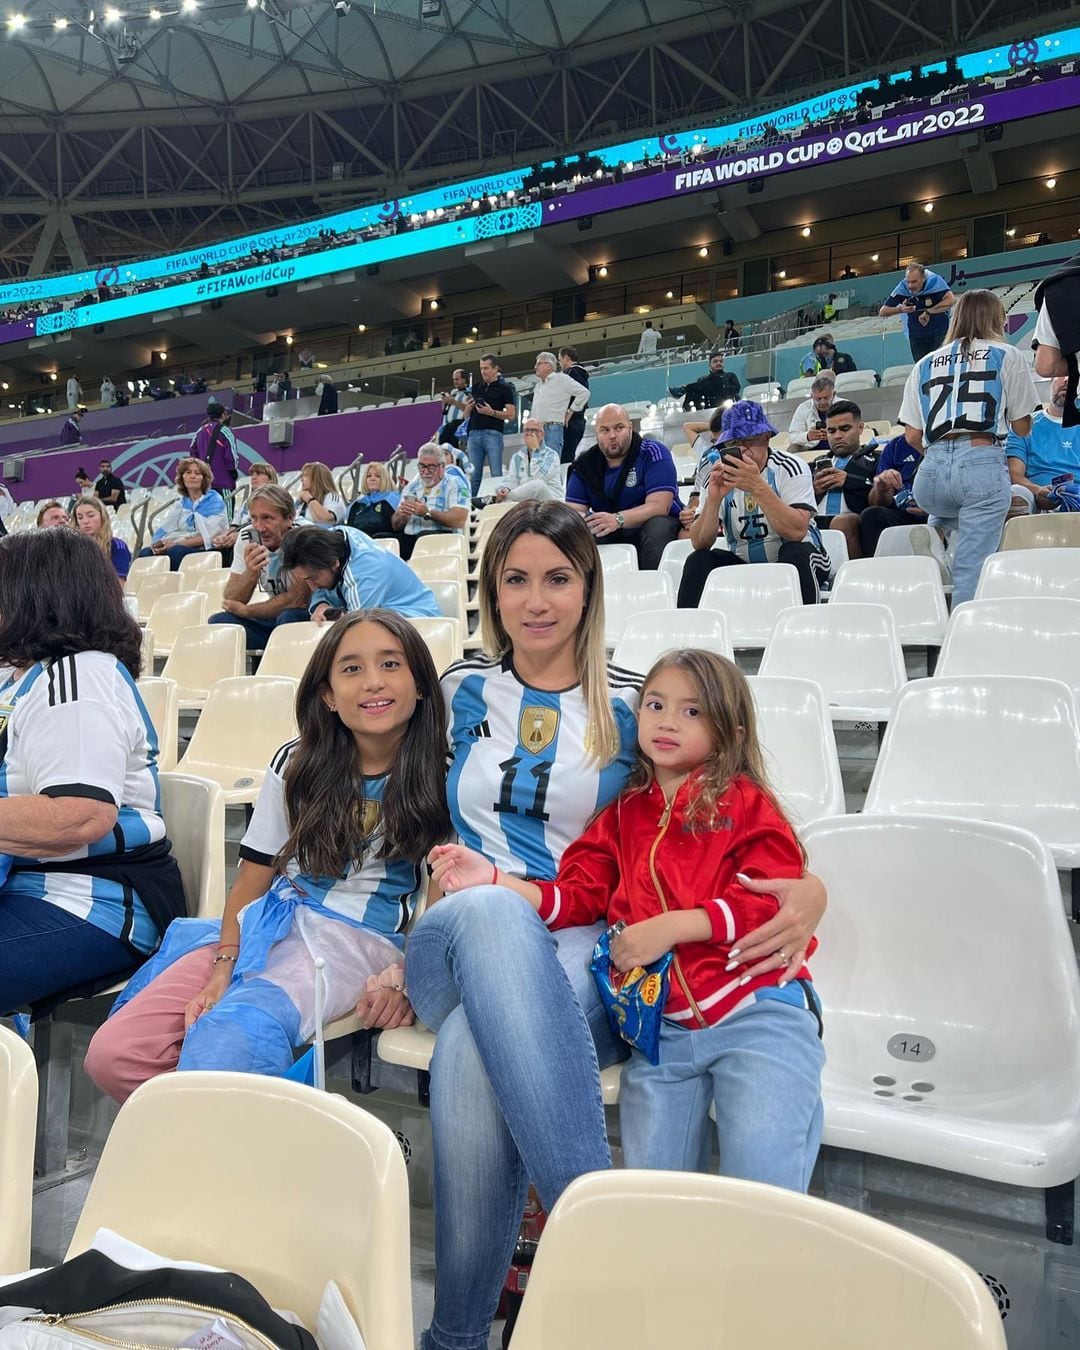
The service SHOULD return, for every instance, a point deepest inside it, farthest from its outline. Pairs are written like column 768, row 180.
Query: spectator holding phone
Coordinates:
column 256, row 568
column 924, row 299
column 808, row 422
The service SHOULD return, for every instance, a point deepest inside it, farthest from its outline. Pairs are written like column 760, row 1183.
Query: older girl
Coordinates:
column 92, row 519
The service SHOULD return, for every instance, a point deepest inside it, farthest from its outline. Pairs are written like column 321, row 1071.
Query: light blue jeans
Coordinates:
column 966, row 487
column 515, row 1087
column 760, row 1067
column 553, row 435
column 483, row 445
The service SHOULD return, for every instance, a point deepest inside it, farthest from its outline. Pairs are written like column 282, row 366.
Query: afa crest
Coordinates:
column 368, row 814
column 537, row 728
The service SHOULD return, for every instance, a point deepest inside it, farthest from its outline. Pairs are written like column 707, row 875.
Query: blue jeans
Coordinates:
column 258, row 630
column 761, row 1067
column 515, row 1089
column 553, row 435
column 965, row 487
column 45, row 950
column 483, row 445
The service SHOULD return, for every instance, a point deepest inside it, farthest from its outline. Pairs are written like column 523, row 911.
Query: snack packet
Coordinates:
column 633, row 1000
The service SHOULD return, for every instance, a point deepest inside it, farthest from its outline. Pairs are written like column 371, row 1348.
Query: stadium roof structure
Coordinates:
column 147, row 125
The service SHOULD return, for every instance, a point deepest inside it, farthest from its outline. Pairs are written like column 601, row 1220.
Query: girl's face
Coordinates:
column 541, row 597
column 87, row 520
column 672, row 730
column 371, row 480
column 371, row 687
column 193, row 480
column 259, row 480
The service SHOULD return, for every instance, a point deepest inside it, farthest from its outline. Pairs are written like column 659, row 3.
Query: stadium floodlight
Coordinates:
column 60, row 23
column 112, row 15
column 16, row 21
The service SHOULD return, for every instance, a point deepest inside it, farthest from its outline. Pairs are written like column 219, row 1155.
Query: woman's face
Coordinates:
column 193, row 480
column 87, row 520
column 305, row 481
column 541, row 597
column 259, row 480
column 371, row 479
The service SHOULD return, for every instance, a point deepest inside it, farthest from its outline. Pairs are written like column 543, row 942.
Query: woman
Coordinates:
column 92, row 885
column 259, row 475
column 51, row 515
column 195, row 521
column 320, row 502
column 544, row 729
column 958, row 406
column 92, row 519
column 371, row 513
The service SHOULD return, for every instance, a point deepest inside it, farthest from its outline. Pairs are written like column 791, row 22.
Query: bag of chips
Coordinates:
column 634, row 999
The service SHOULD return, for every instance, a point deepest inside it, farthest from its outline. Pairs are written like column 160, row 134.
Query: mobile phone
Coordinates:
column 731, row 454
column 331, row 614
column 820, row 464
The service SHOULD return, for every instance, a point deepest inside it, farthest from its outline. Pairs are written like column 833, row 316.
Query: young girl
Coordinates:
column 329, row 865
column 665, row 863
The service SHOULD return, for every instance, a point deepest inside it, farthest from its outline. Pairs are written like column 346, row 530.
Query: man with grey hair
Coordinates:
column 556, row 397
column 535, row 472
column 807, row 429
column 435, row 502
column 256, row 567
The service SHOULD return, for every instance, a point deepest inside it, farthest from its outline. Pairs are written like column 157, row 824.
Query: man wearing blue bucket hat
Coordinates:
column 762, row 499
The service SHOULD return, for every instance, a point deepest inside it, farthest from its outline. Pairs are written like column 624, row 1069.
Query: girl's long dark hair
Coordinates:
column 58, row 596
column 324, row 787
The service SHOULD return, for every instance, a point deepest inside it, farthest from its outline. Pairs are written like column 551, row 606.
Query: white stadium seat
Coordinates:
column 800, row 387
column 618, row 558
column 796, row 734
column 648, row 634
column 1020, row 635
column 751, row 598
column 1030, row 571
column 894, row 375
column 910, row 587
column 629, row 593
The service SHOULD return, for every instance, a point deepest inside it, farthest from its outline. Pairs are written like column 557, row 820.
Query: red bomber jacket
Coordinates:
column 639, row 858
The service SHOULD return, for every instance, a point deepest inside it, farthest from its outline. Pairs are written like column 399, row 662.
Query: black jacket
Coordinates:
column 1060, row 294
column 712, row 390
column 860, row 470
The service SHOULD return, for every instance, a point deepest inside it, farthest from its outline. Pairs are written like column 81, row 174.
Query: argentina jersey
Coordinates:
column 77, row 727
column 972, row 390
column 747, row 530
column 377, row 895
column 833, row 501
column 522, row 784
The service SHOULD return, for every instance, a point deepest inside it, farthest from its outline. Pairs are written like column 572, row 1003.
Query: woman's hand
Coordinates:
column 456, row 868
column 780, row 944
column 214, row 992
column 384, row 1004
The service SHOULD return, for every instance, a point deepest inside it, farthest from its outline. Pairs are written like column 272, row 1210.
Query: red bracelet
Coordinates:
column 494, row 875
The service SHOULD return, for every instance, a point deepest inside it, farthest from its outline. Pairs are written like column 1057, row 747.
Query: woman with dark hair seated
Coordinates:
column 89, row 885
column 193, row 523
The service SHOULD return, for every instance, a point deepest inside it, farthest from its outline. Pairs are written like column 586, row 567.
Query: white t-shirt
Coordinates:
column 1044, row 330
column 272, row 580
column 747, row 531
column 803, row 418
column 521, row 786
column 77, row 727
column 974, row 393
column 650, row 338
column 377, row 895
column 332, row 503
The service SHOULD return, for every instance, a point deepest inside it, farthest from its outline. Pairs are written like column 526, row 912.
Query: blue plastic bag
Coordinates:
column 1064, row 493
column 633, row 1000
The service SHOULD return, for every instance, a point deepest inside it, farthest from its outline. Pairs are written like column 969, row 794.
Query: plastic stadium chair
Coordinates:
column 162, row 703
column 896, row 542
column 800, row 387
column 288, row 649
column 1000, row 748
column 18, row 1118
column 855, row 379
column 450, row 596
column 144, row 567
column 1049, row 529
column 1030, row 571
column 391, row 545
column 208, row 561
column 835, row 544
column 194, row 810
column 629, row 593
column 893, row 375
column 147, row 650
column 800, row 748
column 673, row 559
column 201, row 656
column 153, row 585
column 172, row 614
column 440, row 546
column 655, row 631
column 1022, row 635
column 245, row 720
column 855, row 1281
column 443, row 638
column 924, row 1063
column 212, row 582
column 852, row 651
column 439, row 567
column 751, row 599
column 910, row 587
column 618, row 558
column 339, row 1209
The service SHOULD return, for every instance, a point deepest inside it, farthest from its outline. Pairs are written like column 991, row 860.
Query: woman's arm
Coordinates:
column 39, row 826
column 317, row 511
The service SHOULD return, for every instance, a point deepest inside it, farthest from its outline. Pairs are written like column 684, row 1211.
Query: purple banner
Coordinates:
column 15, row 332
column 826, row 146
column 147, row 463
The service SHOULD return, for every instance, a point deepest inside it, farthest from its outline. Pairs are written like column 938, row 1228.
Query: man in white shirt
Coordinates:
column 535, row 472
column 649, row 340
column 807, row 430
column 556, row 397
column 256, row 567
column 74, row 393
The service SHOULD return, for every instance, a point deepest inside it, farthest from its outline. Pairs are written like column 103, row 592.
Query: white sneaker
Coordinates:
column 922, row 545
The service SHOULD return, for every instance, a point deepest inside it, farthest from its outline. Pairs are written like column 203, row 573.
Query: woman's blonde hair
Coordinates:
column 267, row 471
column 567, row 531
column 102, row 536
column 727, row 705
column 386, row 483
column 182, row 468
column 978, row 316
column 320, row 479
